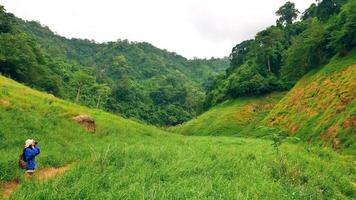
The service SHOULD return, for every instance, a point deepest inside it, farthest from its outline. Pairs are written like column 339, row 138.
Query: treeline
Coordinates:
column 281, row 54
column 128, row 78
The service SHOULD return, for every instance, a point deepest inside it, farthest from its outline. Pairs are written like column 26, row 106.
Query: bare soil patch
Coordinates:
column 4, row 103
column 85, row 121
column 41, row 175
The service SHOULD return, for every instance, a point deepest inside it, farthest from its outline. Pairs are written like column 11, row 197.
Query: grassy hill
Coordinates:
column 322, row 105
column 128, row 160
column 319, row 109
column 234, row 117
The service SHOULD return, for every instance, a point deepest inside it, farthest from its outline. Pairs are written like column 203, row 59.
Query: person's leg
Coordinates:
column 29, row 173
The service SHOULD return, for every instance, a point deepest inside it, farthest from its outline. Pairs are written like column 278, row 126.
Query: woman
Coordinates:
column 30, row 152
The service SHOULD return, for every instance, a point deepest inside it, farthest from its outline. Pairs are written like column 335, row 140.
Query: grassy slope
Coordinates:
column 127, row 160
column 322, row 105
column 234, row 117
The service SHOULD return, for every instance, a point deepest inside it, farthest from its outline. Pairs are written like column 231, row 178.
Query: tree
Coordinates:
column 81, row 80
column 247, row 81
column 344, row 29
column 102, row 91
column 239, row 54
column 267, row 49
column 327, row 8
column 118, row 66
column 6, row 22
column 308, row 51
column 288, row 13
column 310, row 12
column 21, row 58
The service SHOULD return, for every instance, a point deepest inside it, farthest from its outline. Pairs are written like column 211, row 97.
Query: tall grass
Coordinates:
column 238, row 117
column 128, row 160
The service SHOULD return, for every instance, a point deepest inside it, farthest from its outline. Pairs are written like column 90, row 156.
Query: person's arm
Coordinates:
column 37, row 150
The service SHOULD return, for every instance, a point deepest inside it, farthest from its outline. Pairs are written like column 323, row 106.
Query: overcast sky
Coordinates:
column 192, row 28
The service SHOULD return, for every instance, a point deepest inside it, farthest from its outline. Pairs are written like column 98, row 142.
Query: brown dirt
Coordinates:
column 336, row 143
column 349, row 122
column 85, row 121
column 41, row 175
column 293, row 128
column 328, row 83
column 48, row 173
column 330, row 133
column 268, row 106
column 9, row 187
column 4, row 103
column 298, row 93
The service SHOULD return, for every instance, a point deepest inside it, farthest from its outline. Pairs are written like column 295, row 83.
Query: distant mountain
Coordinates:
column 133, row 79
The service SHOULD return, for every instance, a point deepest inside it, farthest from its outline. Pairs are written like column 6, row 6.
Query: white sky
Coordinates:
column 200, row 28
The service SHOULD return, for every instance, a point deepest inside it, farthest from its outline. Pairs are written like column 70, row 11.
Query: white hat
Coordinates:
column 29, row 142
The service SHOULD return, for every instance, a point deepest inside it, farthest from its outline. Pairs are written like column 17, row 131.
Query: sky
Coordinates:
column 192, row 28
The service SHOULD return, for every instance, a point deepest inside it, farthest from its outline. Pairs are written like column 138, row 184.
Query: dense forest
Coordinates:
column 281, row 54
column 132, row 79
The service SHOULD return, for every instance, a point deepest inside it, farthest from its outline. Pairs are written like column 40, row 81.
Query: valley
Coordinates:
column 274, row 119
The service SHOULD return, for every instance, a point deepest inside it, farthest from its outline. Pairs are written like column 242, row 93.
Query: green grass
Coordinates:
column 321, row 108
column 239, row 117
column 128, row 160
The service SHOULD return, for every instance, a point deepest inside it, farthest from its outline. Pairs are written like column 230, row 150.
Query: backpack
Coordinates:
column 22, row 161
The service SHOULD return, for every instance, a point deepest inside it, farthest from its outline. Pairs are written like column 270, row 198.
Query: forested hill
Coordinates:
column 278, row 56
column 144, row 59
column 133, row 79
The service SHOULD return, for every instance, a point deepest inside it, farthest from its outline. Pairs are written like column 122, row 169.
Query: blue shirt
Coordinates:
column 29, row 155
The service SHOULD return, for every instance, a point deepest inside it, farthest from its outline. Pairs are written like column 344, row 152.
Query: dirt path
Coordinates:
column 9, row 187
column 48, row 173
column 41, row 175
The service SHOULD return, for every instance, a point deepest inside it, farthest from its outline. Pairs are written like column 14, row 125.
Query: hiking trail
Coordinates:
column 41, row 175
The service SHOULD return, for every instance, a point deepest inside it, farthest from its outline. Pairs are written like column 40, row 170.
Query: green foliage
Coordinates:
column 288, row 13
column 6, row 22
column 307, row 51
column 254, row 70
column 324, row 9
column 247, row 81
column 81, row 82
column 22, row 59
column 327, row 8
column 135, row 75
column 280, row 55
column 343, row 37
column 277, row 140
column 239, row 55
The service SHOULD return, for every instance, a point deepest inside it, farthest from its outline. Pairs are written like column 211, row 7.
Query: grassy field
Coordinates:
column 128, row 160
column 239, row 117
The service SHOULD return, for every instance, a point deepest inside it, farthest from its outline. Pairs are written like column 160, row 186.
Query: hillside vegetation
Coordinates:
column 239, row 117
column 127, row 160
column 133, row 79
column 278, row 56
column 319, row 109
column 322, row 105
